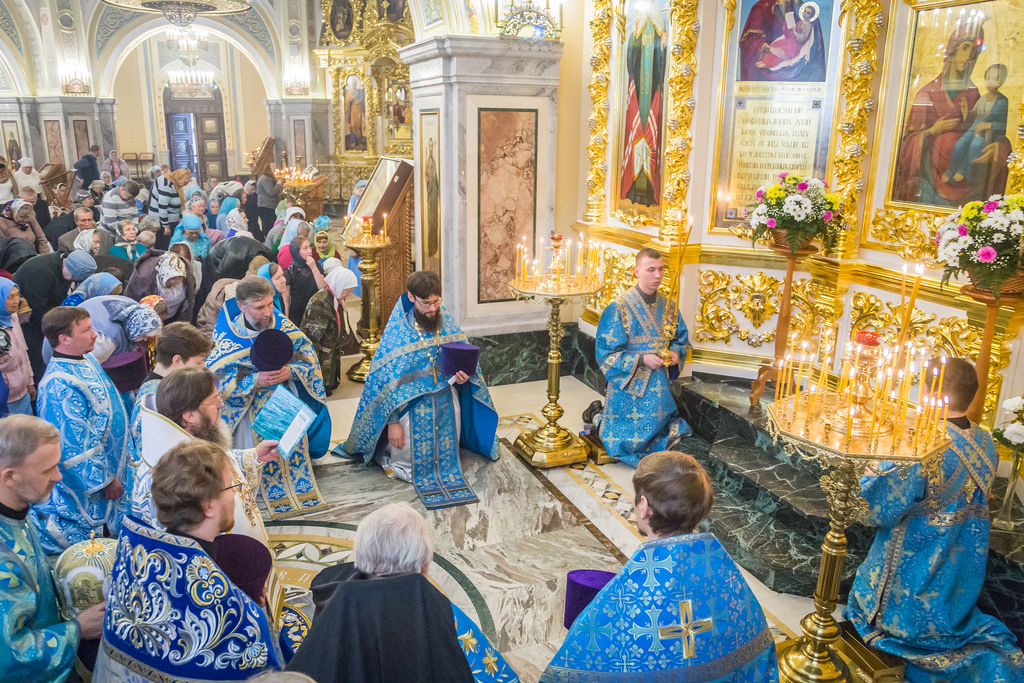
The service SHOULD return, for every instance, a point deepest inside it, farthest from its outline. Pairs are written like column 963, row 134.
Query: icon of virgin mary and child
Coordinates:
column 782, row 40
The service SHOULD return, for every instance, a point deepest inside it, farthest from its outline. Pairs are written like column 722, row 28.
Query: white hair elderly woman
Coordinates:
column 384, row 596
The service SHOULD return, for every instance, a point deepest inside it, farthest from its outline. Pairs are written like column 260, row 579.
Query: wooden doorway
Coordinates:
column 195, row 131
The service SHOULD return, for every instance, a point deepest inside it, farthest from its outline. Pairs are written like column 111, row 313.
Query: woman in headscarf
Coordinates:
column 98, row 284
column 227, row 206
column 8, row 186
column 304, row 278
column 190, row 230
column 282, row 294
column 184, row 250
column 212, row 210
column 327, row 326
column 89, row 241
column 129, row 248
column 222, row 289
column 322, row 241
column 284, row 254
column 275, row 239
column 166, row 274
column 122, row 324
column 14, row 365
column 235, row 225
column 356, row 194
column 18, row 219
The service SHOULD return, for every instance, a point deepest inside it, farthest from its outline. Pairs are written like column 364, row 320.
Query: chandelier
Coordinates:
column 182, row 12
column 188, row 43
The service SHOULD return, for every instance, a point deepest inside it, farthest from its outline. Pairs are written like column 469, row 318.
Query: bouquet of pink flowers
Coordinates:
column 986, row 241
column 802, row 208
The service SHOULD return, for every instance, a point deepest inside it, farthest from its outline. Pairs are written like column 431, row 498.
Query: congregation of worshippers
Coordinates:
column 147, row 324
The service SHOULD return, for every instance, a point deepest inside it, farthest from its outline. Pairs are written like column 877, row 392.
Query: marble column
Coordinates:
column 496, row 185
column 299, row 123
column 94, row 116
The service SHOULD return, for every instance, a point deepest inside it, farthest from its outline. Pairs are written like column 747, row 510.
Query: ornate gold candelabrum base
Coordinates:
column 370, row 306
column 819, row 655
column 552, row 445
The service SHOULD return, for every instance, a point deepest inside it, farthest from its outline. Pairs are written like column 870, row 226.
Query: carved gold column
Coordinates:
column 681, row 103
column 864, row 19
column 597, row 148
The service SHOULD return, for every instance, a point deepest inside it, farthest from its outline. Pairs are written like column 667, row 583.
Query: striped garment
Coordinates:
column 165, row 202
column 115, row 209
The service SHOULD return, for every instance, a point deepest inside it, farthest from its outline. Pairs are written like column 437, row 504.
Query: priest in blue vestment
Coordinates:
column 172, row 613
column 679, row 610
column 289, row 487
column 915, row 594
column 640, row 415
column 78, row 397
column 35, row 645
column 411, row 418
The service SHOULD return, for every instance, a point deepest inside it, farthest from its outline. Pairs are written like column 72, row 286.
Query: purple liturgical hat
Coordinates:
column 127, row 370
column 581, row 586
column 271, row 350
column 457, row 356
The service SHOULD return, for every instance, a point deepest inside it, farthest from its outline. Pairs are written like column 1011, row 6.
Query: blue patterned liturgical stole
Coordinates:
column 404, row 379
column 915, row 594
column 640, row 416
column 172, row 615
column 289, row 487
column 679, row 611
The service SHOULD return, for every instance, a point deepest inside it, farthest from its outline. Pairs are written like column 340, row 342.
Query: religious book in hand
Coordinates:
column 284, row 419
column 456, row 356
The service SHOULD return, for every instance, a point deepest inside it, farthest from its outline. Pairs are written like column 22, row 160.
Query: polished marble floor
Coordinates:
column 504, row 560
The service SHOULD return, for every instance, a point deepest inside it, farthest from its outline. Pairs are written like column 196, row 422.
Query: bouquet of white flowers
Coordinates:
column 1012, row 435
column 797, row 208
column 986, row 241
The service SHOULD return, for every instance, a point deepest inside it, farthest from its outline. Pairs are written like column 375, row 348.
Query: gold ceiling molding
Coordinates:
column 675, row 220
column 865, row 20
column 908, row 233
column 597, row 147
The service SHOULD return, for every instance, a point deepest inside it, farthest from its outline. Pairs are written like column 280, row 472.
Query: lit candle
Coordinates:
column 849, row 426
column 921, row 382
column 799, row 373
column 945, row 414
column 385, row 224
column 778, row 381
column 787, row 372
column 942, row 374
column 903, row 290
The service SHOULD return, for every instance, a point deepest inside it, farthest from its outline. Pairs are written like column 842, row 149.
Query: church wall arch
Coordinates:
column 119, row 47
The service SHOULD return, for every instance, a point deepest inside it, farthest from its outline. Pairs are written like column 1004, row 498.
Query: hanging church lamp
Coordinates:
column 183, row 12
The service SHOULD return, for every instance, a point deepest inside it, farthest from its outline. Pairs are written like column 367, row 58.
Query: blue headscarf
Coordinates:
column 226, row 207
column 264, row 271
column 98, row 285
column 201, row 247
column 6, row 287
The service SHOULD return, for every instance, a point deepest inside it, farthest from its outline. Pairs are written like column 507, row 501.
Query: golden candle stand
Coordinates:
column 841, row 431
column 552, row 445
column 361, row 238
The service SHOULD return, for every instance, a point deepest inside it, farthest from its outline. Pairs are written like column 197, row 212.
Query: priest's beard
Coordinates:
column 427, row 323
column 211, row 431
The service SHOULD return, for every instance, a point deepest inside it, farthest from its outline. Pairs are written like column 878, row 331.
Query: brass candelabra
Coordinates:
column 359, row 236
column 552, row 445
column 846, row 430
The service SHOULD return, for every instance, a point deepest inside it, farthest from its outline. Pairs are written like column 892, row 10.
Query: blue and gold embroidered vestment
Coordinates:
column 77, row 397
column 915, row 594
column 678, row 611
column 640, row 415
column 405, row 379
column 289, row 487
column 35, row 645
